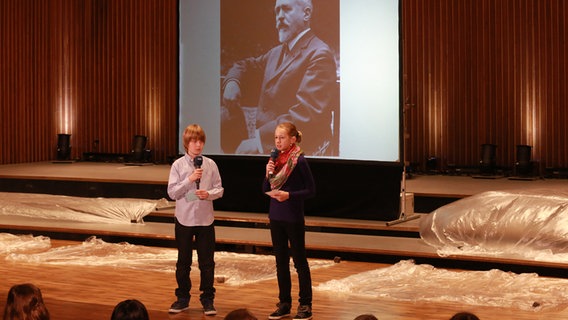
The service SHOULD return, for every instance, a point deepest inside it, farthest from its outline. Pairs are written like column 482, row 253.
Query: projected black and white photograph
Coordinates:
column 331, row 67
column 279, row 63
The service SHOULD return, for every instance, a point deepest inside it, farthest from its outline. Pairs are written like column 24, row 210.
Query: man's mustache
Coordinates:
column 281, row 25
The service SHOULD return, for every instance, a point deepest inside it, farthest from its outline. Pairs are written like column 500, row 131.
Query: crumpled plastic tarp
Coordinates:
column 68, row 208
column 11, row 243
column 231, row 268
column 406, row 281
column 530, row 224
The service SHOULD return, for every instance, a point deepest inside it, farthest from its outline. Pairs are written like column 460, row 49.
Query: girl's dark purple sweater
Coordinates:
column 301, row 186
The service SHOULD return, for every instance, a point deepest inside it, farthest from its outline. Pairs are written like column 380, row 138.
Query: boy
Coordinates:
column 194, row 183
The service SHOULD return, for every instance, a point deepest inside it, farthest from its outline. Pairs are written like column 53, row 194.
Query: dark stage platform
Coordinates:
column 97, row 179
column 343, row 237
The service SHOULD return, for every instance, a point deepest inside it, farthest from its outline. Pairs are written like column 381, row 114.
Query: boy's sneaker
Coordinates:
column 304, row 312
column 209, row 310
column 282, row 311
column 179, row 306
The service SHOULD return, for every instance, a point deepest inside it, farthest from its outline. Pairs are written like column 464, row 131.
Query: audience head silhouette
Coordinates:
column 367, row 316
column 464, row 316
column 25, row 302
column 240, row 314
column 130, row 309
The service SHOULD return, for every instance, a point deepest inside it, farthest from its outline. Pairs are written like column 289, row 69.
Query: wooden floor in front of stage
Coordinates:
column 91, row 292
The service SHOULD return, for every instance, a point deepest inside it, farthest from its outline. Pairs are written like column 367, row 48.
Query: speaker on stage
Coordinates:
column 523, row 165
column 488, row 158
column 63, row 146
column 138, row 153
column 432, row 165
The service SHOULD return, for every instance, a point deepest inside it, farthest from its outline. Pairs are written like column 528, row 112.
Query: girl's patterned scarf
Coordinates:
column 285, row 163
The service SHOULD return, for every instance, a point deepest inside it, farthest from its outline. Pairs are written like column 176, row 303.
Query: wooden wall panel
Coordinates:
column 475, row 71
column 485, row 71
column 100, row 70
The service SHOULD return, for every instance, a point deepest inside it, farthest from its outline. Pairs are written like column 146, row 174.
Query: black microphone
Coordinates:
column 273, row 156
column 198, row 161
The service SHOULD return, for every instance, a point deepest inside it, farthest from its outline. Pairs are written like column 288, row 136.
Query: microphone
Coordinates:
column 198, row 161
column 273, row 156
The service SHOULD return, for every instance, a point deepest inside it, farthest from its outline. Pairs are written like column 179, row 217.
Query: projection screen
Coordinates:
column 361, row 109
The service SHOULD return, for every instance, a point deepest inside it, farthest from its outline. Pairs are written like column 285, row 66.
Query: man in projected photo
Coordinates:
column 299, row 85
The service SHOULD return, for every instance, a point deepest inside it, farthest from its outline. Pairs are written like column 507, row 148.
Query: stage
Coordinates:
column 422, row 186
column 330, row 237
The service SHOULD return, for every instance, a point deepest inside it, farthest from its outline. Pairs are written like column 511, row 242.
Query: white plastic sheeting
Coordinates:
column 230, row 268
column 530, row 225
column 67, row 208
column 406, row 281
column 10, row 243
column 403, row 281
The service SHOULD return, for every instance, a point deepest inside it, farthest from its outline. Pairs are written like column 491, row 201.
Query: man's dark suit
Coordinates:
column 302, row 89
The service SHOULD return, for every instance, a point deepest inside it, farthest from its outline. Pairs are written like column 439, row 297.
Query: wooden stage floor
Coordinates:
column 359, row 239
column 90, row 292
column 420, row 185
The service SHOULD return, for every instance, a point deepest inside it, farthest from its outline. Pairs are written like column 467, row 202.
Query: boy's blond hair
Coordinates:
column 193, row 132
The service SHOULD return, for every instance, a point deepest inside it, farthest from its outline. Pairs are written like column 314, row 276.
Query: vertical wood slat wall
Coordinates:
column 475, row 71
column 485, row 71
column 96, row 69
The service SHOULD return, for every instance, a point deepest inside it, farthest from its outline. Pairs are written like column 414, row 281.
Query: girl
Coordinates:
column 289, row 181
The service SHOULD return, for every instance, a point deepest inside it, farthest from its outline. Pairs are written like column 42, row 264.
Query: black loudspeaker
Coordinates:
column 488, row 158
column 523, row 165
column 63, row 146
column 139, row 148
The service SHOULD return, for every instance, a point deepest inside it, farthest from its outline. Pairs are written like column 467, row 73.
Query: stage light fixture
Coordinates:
column 432, row 165
column 63, row 146
column 488, row 160
column 523, row 165
column 139, row 148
